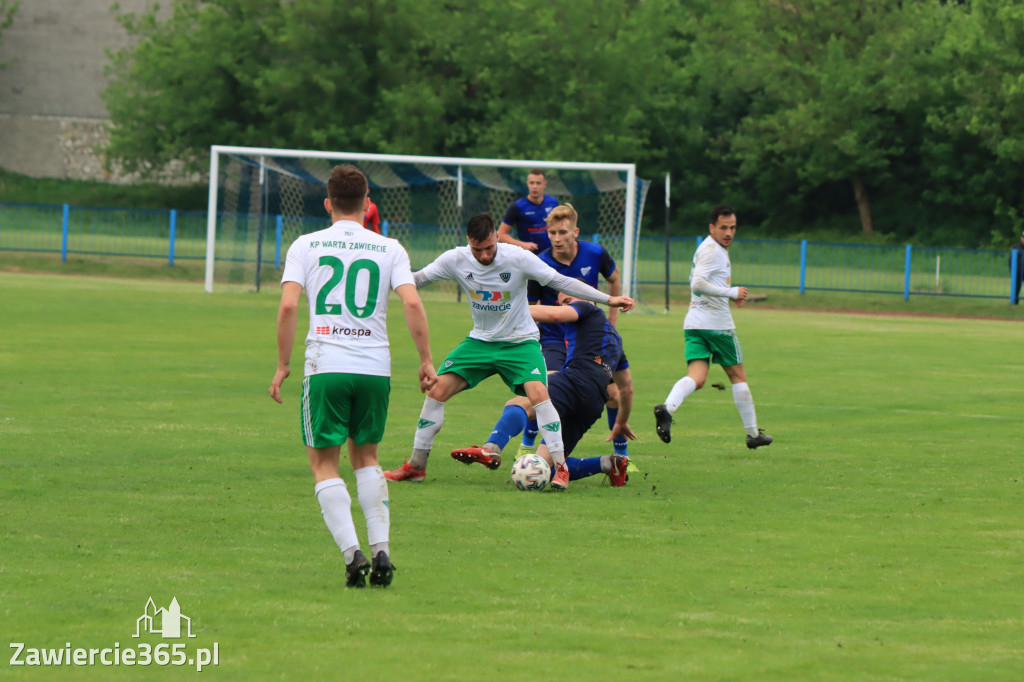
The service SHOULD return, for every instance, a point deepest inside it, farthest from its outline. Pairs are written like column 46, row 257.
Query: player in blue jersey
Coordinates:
column 529, row 216
column 579, row 391
column 583, row 261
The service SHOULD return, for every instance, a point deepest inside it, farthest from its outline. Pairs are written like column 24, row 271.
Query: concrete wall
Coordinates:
column 52, row 120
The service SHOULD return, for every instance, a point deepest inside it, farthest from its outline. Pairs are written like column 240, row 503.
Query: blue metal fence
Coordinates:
column 171, row 236
column 824, row 266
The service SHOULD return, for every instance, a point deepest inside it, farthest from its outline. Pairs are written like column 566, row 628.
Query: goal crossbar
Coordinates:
column 630, row 185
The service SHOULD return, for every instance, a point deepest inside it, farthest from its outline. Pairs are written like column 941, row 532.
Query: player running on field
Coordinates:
column 503, row 340
column 578, row 391
column 710, row 333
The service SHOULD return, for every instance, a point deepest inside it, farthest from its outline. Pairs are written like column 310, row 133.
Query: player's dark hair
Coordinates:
column 480, row 227
column 538, row 171
column 719, row 211
column 347, row 189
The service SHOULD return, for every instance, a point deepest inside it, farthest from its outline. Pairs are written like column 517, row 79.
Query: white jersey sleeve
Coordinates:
column 443, row 267
column 578, row 289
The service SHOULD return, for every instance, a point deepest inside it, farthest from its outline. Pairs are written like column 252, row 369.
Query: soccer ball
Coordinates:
column 531, row 472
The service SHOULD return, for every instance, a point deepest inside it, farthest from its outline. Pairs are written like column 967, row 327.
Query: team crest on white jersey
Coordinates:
column 505, row 276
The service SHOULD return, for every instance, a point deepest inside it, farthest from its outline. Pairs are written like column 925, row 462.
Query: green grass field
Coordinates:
column 878, row 538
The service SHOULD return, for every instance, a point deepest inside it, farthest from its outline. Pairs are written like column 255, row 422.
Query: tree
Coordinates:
column 980, row 112
column 830, row 81
column 189, row 81
column 399, row 76
column 573, row 81
column 372, row 75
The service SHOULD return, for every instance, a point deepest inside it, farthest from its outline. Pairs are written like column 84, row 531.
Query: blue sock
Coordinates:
column 582, row 468
column 511, row 422
column 530, row 433
column 619, row 442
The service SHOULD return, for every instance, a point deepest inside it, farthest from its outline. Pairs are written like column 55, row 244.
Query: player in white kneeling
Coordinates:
column 710, row 333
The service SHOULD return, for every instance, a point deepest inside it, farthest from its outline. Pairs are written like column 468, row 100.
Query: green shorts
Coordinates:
column 475, row 360
column 720, row 346
column 336, row 407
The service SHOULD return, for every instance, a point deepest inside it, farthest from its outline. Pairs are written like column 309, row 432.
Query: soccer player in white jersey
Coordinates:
column 710, row 333
column 504, row 339
column 348, row 273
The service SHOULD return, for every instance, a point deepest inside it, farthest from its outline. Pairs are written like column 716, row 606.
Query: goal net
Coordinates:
column 260, row 200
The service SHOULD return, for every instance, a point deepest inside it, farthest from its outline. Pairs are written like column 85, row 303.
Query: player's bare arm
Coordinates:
column 505, row 235
column 554, row 314
column 287, row 321
column 624, row 303
column 614, row 289
column 416, row 320
column 741, row 296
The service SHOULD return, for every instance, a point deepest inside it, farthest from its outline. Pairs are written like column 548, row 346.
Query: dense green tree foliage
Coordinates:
column 894, row 119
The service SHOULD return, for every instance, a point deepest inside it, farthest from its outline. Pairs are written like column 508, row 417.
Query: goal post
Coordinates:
column 261, row 199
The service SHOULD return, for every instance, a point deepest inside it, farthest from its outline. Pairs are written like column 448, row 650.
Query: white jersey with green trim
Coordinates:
column 348, row 273
column 710, row 288
column 496, row 292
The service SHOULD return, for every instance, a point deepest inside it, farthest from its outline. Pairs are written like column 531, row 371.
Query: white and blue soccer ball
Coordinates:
column 531, row 472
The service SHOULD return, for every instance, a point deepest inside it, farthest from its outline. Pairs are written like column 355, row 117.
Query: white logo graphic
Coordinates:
column 164, row 622
column 448, row 363
column 170, row 621
column 585, row 271
column 535, row 371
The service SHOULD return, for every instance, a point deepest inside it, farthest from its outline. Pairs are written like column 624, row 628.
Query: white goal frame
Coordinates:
column 629, row 220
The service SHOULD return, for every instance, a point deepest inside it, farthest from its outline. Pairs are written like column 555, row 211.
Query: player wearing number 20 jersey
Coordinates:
column 348, row 272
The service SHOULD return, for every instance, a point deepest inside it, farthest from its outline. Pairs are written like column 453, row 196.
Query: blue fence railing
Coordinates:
column 823, row 266
column 172, row 236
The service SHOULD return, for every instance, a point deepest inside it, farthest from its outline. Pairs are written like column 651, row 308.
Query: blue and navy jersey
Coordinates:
column 590, row 261
column 594, row 349
column 531, row 220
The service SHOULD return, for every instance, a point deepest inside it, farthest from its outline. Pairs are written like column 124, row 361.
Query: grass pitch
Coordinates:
column 878, row 538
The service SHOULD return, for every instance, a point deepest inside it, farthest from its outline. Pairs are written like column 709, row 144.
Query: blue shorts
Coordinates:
column 579, row 406
column 554, row 355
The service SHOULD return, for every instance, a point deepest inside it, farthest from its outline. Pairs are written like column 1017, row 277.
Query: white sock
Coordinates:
column 336, row 506
column 551, row 430
column 431, row 419
column 745, row 404
column 680, row 392
column 372, row 489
